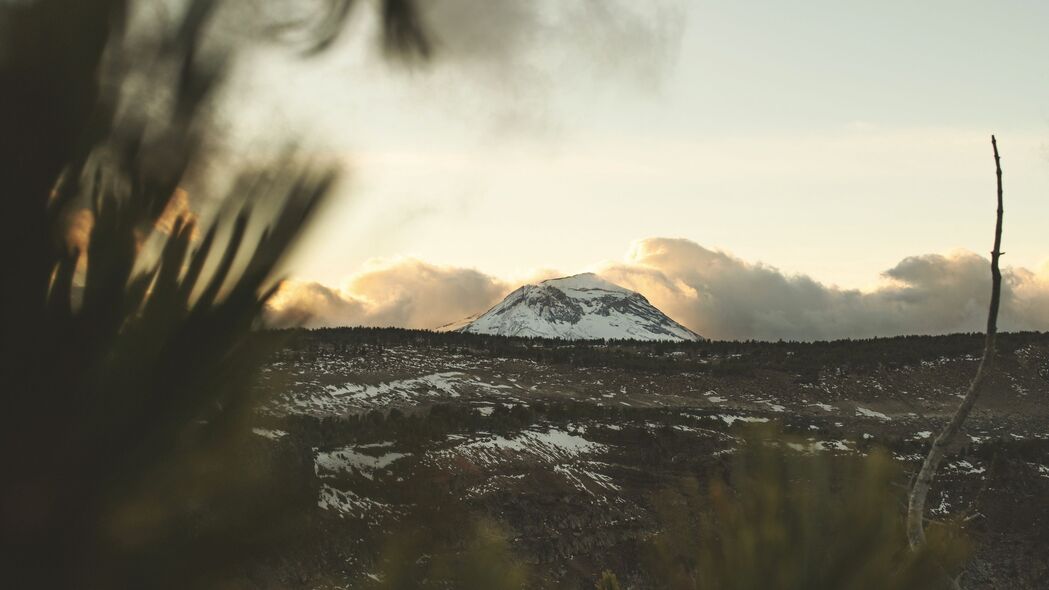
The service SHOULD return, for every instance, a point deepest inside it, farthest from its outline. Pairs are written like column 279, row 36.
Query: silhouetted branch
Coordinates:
column 940, row 446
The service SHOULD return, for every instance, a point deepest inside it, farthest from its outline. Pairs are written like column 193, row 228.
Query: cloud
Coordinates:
column 724, row 297
column 405, row 293
column 504, row 59
column 714, row 293
column 616, row 37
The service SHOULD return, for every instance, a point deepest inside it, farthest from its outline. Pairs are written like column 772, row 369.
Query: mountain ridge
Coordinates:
column 578, row 307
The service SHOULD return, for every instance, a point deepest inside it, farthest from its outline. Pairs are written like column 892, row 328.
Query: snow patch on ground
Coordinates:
column 437, row 382
column 943, row 508
column 729, row 419
column 913, row 457
column 354, row 396
column 966, row 468
column 861, row 411
column 270, row 433
column 820, row 445
column 579, row 477
column 351, row 460
column 349, row 504
column 1041, row 469
column 552, row 446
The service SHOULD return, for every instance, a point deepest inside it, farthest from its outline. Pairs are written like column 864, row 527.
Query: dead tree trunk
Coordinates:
column 922, row 483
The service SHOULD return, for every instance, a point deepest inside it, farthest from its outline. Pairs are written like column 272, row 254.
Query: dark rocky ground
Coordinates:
column 565, row 445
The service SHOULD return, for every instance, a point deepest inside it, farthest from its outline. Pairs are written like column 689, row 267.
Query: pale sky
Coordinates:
column 823, row 137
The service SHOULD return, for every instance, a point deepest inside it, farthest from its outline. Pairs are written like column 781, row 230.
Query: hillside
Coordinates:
column 566, row 443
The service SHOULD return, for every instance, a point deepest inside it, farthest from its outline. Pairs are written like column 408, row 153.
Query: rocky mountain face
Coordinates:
column 579, row 307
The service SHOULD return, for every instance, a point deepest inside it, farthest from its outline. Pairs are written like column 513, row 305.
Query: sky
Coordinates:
column 822, row 141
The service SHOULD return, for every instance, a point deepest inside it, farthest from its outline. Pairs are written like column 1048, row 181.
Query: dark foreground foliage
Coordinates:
column 127, row 353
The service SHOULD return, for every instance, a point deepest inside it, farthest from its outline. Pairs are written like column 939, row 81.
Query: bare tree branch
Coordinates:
column 940, row 446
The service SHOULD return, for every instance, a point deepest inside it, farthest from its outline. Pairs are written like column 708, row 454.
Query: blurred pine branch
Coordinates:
column 127, row 459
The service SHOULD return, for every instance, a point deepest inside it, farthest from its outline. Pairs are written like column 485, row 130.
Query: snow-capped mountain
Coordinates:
column 579, row 307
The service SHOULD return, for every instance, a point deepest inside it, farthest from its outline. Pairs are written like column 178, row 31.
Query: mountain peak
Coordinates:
column 578, row 307
column 586, row 281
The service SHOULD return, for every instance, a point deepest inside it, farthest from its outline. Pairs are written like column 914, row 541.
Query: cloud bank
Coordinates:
column 712, row 292
column 405, row 293
column 721, row 296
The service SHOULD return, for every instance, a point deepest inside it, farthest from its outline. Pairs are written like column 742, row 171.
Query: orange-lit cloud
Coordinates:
column 404, row 292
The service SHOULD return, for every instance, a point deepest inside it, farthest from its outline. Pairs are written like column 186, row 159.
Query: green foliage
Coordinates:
column 789, row 520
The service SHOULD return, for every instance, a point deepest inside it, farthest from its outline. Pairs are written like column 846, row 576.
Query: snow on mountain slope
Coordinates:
column 457, row 325
column 579, row 307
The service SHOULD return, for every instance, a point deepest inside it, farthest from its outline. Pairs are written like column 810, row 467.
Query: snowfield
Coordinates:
column 550, row 446
column 353, row 460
